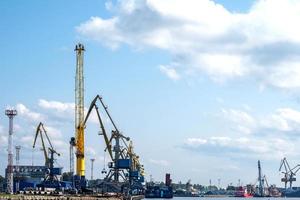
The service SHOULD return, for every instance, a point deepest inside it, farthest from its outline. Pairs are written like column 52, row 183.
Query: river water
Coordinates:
column 226, row 198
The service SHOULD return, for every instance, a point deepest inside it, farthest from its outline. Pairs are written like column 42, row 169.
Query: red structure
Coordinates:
column 168, row 181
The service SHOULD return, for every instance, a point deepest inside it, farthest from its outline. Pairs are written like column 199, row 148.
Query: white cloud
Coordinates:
column 163, row 163
column 53, row 133
column 27, row 140
column 57, row 106
column 102, row 30
column 262, row 43
column 3, row 140
column 248, row 147
column 60, row 145
column 284, row 119
column 273, row 135
column 242, row 121
column 64, row 110
column 221, row 66
column 169, row 72
column 285, row 76
column 281, row 120
column 27, row 113
column 1, row 129
column 195, row 141
column 90, row 151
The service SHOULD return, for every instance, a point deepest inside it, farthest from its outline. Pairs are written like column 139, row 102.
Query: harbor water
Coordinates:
column 228, row 198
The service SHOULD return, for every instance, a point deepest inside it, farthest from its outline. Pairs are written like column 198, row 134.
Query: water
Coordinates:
column 228, row 198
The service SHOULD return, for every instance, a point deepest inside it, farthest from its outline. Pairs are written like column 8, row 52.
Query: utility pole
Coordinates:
column 92, row 168
column 18, row 148
column 10, row 176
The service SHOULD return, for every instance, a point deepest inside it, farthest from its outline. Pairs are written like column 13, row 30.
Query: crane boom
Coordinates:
column 289, row 173
column 94, row 105
column 125, row 167
column 40, row 130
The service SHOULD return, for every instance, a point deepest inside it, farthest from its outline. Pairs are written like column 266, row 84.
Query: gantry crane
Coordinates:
column 125, row 167
column 51, row 179
column 289, row 173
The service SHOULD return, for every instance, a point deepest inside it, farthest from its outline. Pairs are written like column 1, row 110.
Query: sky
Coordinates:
column 203, row 88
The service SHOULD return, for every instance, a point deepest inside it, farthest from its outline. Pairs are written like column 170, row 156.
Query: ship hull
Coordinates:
column 295, row 193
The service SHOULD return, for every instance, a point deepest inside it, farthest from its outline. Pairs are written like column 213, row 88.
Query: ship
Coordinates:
column 271, row 191
column 164, row 191
column 291, row 192
column 244, row 191
column 263, row 189
column 157, row 191
column 185, row 193
column 189, row 191
column 274, row 191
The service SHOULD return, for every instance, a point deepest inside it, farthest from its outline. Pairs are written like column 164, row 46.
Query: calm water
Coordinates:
column 227, row 198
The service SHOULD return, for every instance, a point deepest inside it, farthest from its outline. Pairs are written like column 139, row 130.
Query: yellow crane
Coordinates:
column 79, row 112
column 120, row 158
column 136, row 165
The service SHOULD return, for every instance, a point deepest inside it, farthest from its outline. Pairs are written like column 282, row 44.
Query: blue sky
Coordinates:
column 203, row 88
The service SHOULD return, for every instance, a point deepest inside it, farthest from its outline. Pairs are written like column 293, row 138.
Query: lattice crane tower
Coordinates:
column 79, row 111
column 10, row 176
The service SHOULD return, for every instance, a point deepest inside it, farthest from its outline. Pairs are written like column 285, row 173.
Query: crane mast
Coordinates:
column 260, row 179
column 79, row 111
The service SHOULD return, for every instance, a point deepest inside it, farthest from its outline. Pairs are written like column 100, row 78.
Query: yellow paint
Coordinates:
column 80, row 164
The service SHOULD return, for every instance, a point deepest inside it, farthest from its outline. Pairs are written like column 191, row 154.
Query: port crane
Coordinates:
column 289, row 173
column 125, row 171
column 125, row 165
column 260, row 180
column 51, row 179
column 80, row 181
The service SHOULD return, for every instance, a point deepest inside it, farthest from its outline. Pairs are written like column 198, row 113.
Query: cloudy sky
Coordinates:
column 204, row 88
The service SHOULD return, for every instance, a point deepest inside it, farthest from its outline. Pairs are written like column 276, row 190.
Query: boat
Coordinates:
column 164, row 191
column 274, row 191
column 189, row 191
column 184, row 193
column 243, row 192
column 291, row 192
column 157, row 191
